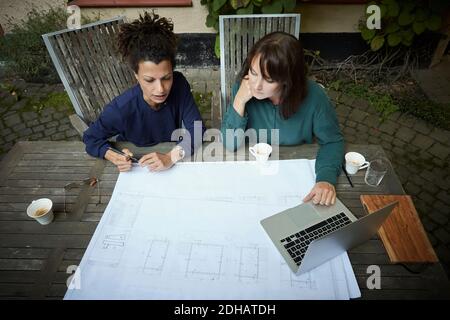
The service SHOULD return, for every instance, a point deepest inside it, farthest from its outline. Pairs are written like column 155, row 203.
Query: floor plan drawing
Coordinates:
column 194, row 232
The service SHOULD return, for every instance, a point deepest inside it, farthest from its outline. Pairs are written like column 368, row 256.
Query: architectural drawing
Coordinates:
column 204, row 241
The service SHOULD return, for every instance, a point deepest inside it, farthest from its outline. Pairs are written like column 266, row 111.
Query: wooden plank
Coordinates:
column 368, row 258
column 94, row 199
column 120, row 78
column 245, row 46
column 232, row 52
column 386, row 271
column 9, row 162
column 121, row 74
column 99, row 60
column 79, row 156
column 103, row 45
column 399, row 283
column 263, row 27
column 238, row 50
column 57, row 290
column 92, row 83
column 59, row 163
column 64, row 265
column 67, row 177
column 83, row 91
column 92, row 216
column 19, row 209
column 70, row 64
column 83, row 170
column 43, row 183
column 109, row 177
column 60, row 49
column 38, row 191
column 24, row 253
column 122, row 68
column 29, row 198
column 44, row 241
column 370, row 246
column 74, row 254
column 13, row 207
column 398, row 295
column 62, row 276
column 86, row 191
column 21, row 264
column 15, row 216
column 52, row 147
column 45, row 279
column 32, row 227
column 15, row 290
column 15, row 276
column 95, row 208
column 402, row 233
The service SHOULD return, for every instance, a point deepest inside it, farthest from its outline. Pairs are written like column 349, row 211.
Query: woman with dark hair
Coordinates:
column 149, row 112
column 274, row 93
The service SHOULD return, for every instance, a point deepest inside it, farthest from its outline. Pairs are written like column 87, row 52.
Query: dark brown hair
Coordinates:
column 148, row 38
column 281, row 60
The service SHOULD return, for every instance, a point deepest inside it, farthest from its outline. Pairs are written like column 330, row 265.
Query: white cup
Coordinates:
column 354, row 161
column 261, row 151
column 41, row 210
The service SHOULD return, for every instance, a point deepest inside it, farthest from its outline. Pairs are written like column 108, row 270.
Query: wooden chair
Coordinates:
column 90, row 67
column 238, row 33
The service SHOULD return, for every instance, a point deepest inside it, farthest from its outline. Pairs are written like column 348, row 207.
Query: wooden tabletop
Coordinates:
column 34, row 258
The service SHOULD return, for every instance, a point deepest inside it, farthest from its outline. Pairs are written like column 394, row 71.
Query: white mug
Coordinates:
column 41, row 210
column 355, row 161
column 261, row 151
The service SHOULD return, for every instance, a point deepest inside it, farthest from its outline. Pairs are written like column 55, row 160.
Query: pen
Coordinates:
column 346, row 174
column 133, row 159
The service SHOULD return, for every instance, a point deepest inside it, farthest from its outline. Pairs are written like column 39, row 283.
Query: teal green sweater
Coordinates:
column 316, row 117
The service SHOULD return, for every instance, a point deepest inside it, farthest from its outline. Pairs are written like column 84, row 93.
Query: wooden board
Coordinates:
column 402, row 233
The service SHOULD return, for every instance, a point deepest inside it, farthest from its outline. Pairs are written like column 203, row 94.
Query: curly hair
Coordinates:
column 148, row 38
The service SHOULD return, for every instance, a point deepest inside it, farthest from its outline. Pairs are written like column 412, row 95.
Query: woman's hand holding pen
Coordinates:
column 122, row 162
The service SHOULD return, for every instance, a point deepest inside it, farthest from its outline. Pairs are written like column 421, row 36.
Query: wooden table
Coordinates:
column 34, row 258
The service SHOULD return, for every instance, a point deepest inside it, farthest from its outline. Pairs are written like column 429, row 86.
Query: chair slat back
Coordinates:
column 89, row 65
column 238, row 33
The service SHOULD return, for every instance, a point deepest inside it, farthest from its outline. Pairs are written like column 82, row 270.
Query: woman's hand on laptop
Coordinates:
column 322, row 193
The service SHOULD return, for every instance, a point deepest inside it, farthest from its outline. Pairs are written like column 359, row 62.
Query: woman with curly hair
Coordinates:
column 149, row 112
column 273, row 92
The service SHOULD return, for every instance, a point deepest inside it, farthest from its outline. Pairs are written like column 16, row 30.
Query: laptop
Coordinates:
column 308, row 235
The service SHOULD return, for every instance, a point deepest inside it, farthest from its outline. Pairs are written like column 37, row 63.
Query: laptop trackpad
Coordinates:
column 304, row 215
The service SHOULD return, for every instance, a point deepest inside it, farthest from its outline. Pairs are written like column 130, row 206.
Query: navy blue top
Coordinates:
column 131, row 118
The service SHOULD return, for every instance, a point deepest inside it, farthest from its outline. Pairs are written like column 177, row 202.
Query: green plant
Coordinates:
column 401, row 21
column 382, row 102
column 417, row 104
column 58, row 100
column 229, row 7
column 23, row 48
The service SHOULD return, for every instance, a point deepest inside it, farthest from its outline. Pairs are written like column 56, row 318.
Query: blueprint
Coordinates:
column 194, row 232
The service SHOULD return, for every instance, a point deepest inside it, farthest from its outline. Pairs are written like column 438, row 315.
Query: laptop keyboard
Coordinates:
column 297, row 243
